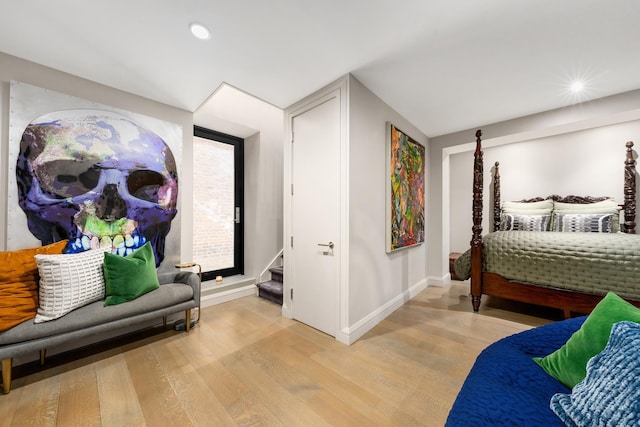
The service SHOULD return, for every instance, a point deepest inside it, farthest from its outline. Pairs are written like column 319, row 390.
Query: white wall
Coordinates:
column 378, row 282
column 261, row 124
column 575, row 150
column 263, row 196
column 12, row 68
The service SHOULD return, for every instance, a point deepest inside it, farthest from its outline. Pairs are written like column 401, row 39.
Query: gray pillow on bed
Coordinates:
column 525, row 222
column 595, row 223
column 608, row 206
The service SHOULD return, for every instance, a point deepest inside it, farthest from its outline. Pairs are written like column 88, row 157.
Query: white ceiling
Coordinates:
column 446, row 65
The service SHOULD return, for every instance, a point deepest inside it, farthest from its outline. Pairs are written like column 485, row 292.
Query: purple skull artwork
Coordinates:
column 98, row 179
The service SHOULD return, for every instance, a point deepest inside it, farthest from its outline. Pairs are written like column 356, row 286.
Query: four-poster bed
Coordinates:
column 570, row 271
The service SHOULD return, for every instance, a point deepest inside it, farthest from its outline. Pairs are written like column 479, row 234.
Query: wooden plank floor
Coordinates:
column 244, row 364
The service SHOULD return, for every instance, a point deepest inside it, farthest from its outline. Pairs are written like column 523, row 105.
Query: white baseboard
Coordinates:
column 228, row 295
column 286, row 310
column 351, row 334
column 439, row 281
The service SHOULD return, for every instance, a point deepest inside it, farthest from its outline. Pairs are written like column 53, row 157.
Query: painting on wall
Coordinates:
column 405, row 190
column 95, row 176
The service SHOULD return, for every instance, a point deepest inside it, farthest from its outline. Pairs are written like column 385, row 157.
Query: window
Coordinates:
column 218, row 199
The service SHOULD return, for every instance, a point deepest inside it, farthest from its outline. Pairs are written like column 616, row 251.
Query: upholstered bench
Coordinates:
column 177, row 292
column 83, row 295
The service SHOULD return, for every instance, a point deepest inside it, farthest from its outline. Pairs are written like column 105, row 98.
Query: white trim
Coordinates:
column 344, row 268
column 351, row 334
column 439, row 281
column 446, row 212
column 229, row 295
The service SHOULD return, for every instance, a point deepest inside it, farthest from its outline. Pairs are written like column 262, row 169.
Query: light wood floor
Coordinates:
column 243, row 364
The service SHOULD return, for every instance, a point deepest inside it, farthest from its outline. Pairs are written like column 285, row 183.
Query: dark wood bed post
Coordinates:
column 630, row 191
column 496, row 197
column 476, row 239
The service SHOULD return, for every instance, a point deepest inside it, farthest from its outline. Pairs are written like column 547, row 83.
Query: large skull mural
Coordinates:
column 98, row 179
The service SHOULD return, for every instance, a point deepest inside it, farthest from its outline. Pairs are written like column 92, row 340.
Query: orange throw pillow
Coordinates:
column 19, row 283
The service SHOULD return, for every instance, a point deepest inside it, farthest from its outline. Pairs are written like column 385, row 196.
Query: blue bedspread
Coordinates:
column 506, row 387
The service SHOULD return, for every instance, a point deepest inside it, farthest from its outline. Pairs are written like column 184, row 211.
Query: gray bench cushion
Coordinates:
column 95, row 313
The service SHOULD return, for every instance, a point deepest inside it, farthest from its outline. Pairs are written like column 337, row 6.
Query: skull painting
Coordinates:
column 98, row 179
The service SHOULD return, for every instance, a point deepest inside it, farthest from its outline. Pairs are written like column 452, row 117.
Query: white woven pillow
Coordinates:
column 68, row 281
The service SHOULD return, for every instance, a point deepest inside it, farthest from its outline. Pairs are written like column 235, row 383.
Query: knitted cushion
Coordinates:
column 610, row 393
column 68, row 282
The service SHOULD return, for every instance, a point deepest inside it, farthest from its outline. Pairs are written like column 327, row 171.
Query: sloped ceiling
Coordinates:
column 446, row 65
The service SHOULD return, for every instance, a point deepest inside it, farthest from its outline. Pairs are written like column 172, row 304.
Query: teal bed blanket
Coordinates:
column 593, row 263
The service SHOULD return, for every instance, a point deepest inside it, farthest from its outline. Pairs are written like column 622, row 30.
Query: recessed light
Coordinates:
column 199, row 31
column 577, row 86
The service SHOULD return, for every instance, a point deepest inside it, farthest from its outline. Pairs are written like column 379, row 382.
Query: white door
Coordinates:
column 315, row 215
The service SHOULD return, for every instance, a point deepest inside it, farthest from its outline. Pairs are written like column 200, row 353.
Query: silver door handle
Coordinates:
column 330, row 245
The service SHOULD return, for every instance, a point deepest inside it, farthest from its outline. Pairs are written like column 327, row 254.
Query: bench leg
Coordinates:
column 43, row 355
column 187, row 318
column 6, row 375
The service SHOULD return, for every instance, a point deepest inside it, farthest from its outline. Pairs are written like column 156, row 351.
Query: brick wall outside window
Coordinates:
column 213, row 204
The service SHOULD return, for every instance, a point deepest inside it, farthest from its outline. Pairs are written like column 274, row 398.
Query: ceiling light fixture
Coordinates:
column 577, row 86
column 199, row 31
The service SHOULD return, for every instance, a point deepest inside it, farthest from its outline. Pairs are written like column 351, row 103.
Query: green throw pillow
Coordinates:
column 568, row 364
column 126, row 278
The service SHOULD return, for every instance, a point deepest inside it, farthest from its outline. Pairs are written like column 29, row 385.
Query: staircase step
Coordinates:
column 271, row 290
column 276, row 274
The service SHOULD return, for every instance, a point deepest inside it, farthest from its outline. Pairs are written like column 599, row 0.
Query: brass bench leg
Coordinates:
column 6, row 375
column 187, row 318
column 43, row 355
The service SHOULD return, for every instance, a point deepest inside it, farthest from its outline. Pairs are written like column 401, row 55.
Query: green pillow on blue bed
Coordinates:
column 568, row 364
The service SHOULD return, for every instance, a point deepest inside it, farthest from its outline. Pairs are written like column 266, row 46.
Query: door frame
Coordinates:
column 338, row 89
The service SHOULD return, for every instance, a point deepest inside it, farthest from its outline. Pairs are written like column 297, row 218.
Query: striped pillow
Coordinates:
column 608, row 206
column 596, row 223
column 512, row 222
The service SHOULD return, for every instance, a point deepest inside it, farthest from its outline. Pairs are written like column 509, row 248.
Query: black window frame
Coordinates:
column 238, row 230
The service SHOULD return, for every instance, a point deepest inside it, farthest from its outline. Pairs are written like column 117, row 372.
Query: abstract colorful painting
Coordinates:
column 405, row 190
